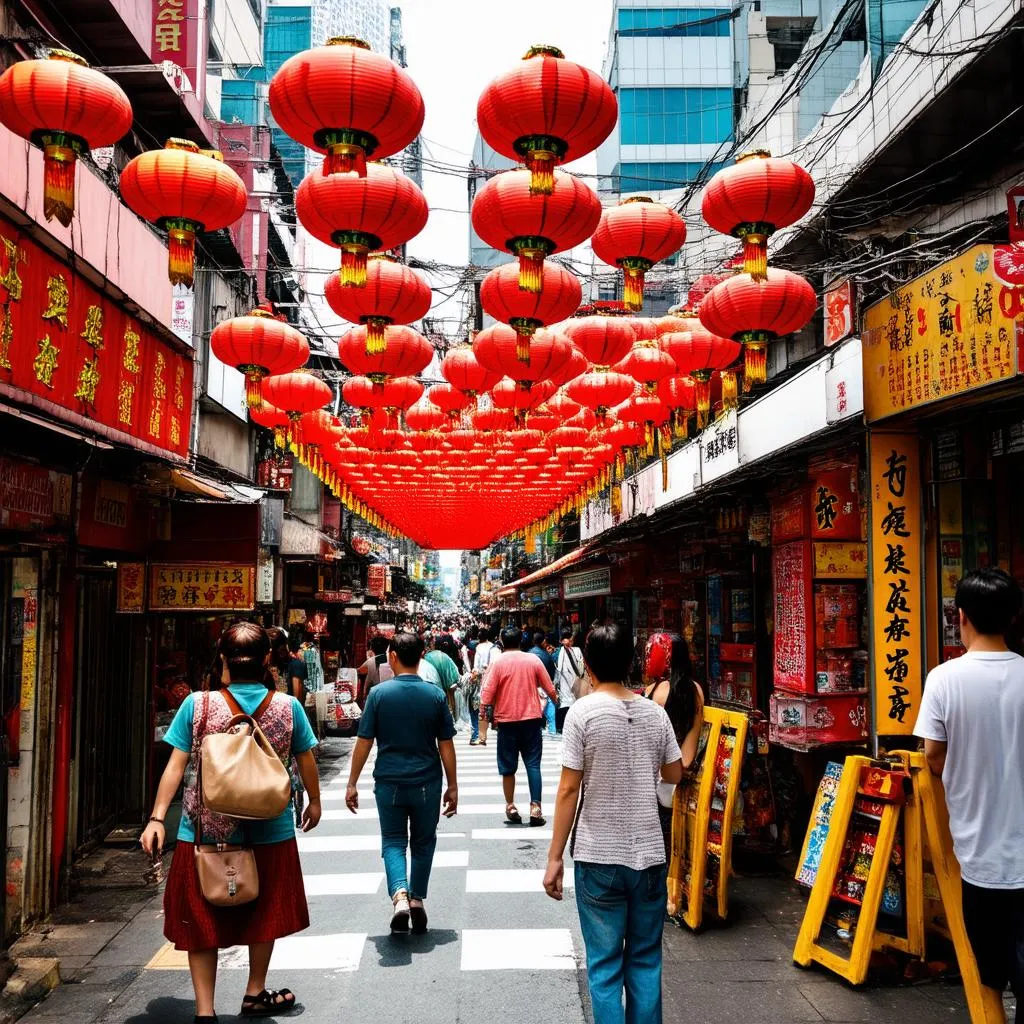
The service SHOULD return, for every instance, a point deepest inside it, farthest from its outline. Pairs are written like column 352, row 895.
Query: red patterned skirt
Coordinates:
column 280, row 909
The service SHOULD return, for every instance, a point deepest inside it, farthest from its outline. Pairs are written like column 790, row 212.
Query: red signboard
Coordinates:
column 64, row 342
column 789, row 517
column 176, row 32
column 794, row 616
column 376, row 580
column 839, row 311
column 835, row 504
column 32, row 497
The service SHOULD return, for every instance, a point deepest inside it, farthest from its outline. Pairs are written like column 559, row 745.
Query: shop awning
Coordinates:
column 559, row 565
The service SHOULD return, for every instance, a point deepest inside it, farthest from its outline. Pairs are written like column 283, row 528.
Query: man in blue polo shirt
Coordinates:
column 413, row 728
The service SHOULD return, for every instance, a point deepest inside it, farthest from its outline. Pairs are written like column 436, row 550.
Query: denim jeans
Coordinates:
column 621, row 915
column 408, row 818
column 549, row 716
column 523, row 739
column 474, row 723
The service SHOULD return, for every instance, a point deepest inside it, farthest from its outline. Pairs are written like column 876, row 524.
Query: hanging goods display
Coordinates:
column 757, row 312
column 347, row 102
column 635, row 235
column 509, row 216
column 360, row 215
column 546, row 111
column 67, row 108
column 258, row 345
column 754, row 198
column 183, row 190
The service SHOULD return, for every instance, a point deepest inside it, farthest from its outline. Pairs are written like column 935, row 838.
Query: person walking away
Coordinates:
column 541, row 651
column 569, row 674
column 482, row 658
column 447, row 662
column 409, row 720
column 190, row 922
column 616, row 843
column 375, row 669
column 310, row 651
column 972, row 723
column 279, row 679
column 511, row 689
column 669, row 677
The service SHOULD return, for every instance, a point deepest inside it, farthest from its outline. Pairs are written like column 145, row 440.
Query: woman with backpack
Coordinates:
column 191, row 921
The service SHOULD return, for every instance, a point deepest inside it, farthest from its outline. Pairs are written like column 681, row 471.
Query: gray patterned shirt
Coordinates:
column 620, row 746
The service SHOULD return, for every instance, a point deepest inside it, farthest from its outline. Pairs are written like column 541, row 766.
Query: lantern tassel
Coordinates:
column 702, row 389
column 279, row 437
column 541, row 165
column 730, row 392
column 181, row 250
column 755, row 256
column 253, row 386
column 755, row 363
column 344, row 157
column 531, row 269
column 60, row 158
column 633, row 270
column 353, row 268
column 376, row 335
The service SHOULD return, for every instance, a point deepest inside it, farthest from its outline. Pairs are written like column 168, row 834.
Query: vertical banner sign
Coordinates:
column 897, row 601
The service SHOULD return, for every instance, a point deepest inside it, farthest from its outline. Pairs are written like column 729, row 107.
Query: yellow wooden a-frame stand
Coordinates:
column 690, row 824
column 925, row 828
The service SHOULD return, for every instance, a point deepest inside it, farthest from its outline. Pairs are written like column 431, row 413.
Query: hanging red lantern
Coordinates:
column 424, row 416
column 678, row 393
column 542, row 418
column 272, row 418
column 699, row 353
column 67, row 108
column 501, row 296
column 393, row 294
column 757, row 312
column 499, row 345
column 296, row 393
column 564, row 407
column 754, row 198
column 600, row 391
column 317, row 431
column 701, row 287
column 604, row 340
column 258, row 345
column 382, row 210
column 575, row 365
column 491, row 419
column 449, row 400
column 546, row 111
column 405, row 353
column 508, row 216
column 347, row 102
column 183, row 190
column 635, row 235
column 461, row 368
column 647, row 364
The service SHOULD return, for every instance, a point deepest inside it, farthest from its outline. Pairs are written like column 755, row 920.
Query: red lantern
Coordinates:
column 258, row 345
column 701, row 287
column 498, row 349
column 461, row 368
column 348, row 102
column 564, row 407
column 604, row 340
column 406, row 352
column 492, row 419
column 756, row 312
column 601, row 390
column 269, row 416
column 647, row 364
column 572, row 368
column 542, row 418
column 501, row 296
column 317, row 431
column 424, row 416
column 546, row 111
column 635, row 235
column 508, row 216
column 185, row 191
column 394, row 294
column 67, row 108
column 699, row 353
column 448, row 399
column 361, row 215
column 295, row 394
column 754, row 198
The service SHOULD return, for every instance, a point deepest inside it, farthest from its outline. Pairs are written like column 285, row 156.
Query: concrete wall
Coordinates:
column 226, row 440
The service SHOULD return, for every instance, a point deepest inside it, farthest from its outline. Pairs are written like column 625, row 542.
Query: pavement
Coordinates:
column 497, row 948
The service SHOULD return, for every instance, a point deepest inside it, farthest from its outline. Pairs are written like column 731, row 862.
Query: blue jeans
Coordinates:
column 474, row 722
column 621, row 915
column 549, row 715
column 408, row 818
column 522, row 738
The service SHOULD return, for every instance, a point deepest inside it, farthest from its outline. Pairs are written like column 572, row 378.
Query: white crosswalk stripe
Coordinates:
column 518, row 949
column 509, row 880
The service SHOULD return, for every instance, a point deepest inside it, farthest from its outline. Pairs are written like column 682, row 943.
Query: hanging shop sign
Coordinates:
column 131, row 588
column 593, row 583
column 835, row 504
column 333, row 596
column 949, row 331
column 839, row 311
column 72, row 348
column 794, row 616
column 32, row 497
column 840, row 560
column 376, row 580
column 897, row 622
column 361, row 545
column 265, row 578
column 719, row 448
column 175, row 587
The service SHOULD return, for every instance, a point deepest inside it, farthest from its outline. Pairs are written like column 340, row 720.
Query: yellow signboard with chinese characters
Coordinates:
column 897, row 587
column 840, row 560
column 946, row 332
column 191, row 587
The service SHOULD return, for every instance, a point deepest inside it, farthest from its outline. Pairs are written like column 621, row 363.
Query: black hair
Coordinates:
column 408, row 648
column 379, row 644
column 485, row 634
column 990, row 600
column 681, row 703
column 294, row 642
column 609, row 653
column 567, row 634
column 244, row 647
column 512, row 638
column 538, row 639
column 446, row 645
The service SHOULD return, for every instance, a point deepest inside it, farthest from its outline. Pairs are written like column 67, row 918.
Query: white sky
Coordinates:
column 454, row 48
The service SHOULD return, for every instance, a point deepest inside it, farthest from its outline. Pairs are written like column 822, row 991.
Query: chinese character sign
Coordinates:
column 838, row 311
column 131, row 587
column 835, row 504
column 794, row 616
column 65, row 343
column 190, row 587
column 949, row 331
column 897, row 611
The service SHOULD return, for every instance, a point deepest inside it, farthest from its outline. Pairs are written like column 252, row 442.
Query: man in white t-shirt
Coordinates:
column 972, row 724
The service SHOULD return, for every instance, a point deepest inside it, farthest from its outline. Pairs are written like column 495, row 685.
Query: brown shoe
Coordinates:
column 400, row 918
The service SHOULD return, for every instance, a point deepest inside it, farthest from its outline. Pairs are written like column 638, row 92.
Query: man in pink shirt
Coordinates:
column 511, row 690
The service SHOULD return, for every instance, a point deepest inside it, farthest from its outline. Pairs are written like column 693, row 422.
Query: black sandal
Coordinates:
column 537, row 819
column 512, row 815
column 204, row 1020
column 268, row 1003
column 418, row 918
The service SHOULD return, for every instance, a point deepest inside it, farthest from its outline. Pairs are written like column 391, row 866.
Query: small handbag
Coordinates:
column 227, row 874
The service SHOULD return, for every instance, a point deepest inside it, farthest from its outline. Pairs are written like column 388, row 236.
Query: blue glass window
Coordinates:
column 657, row 177
column 668, row 116
column 675, row 21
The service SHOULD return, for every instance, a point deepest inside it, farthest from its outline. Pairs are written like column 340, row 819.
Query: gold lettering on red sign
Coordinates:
column 57, row 298
column 45, row 361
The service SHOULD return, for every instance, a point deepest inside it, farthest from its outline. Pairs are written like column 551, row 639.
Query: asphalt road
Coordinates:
column 498, row 948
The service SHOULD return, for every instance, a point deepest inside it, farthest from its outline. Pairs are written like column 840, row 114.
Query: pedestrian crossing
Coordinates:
column 485, row 871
